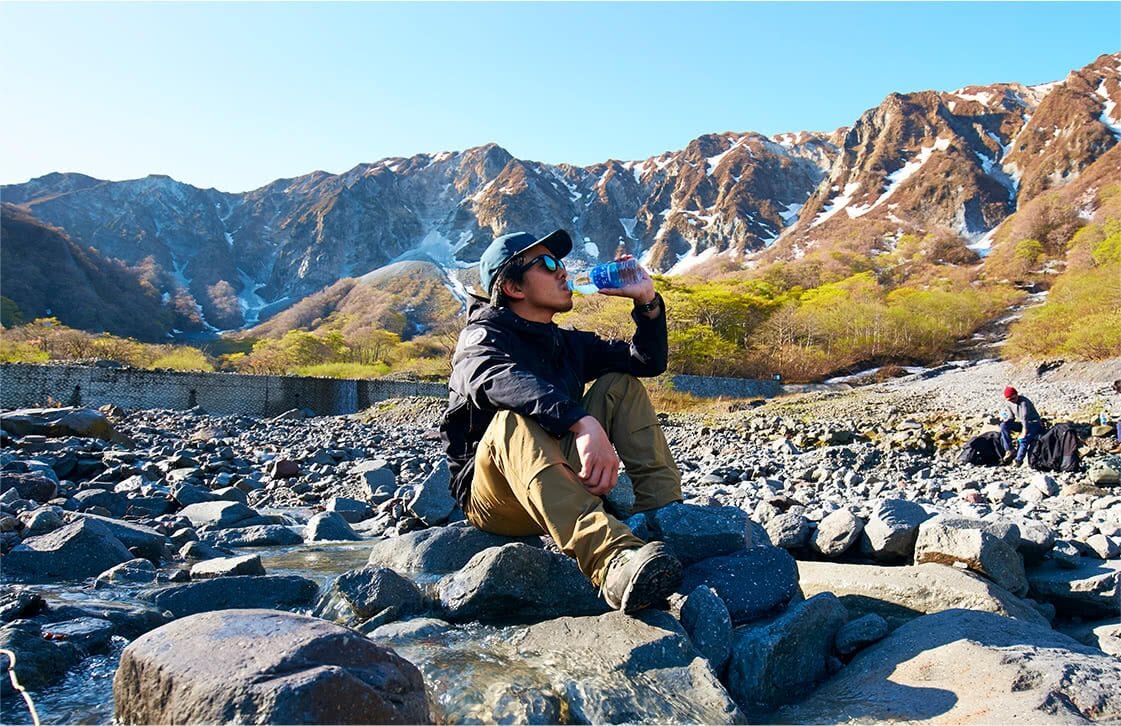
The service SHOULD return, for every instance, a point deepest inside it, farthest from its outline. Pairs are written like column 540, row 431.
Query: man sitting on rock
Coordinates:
column 1019, row 415
column 529, row 451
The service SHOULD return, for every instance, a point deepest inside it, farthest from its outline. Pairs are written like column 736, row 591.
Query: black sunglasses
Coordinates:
column 550, row 263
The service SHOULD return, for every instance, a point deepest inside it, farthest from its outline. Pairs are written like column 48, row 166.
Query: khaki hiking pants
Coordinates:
column 525, row 480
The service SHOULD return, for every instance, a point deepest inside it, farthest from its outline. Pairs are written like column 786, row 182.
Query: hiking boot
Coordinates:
column 1006, row 458
column 640, row 577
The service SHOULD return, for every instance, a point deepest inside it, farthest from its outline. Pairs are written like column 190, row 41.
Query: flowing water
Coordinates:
column 474, row 673
column 464, row 665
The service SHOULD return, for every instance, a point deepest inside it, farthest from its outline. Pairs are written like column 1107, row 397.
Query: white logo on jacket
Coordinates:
column 471, row 336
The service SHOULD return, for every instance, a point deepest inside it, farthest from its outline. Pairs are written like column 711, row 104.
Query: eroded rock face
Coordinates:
column 777, row 662
column 900, row 594
column 436, row 551
column 54, row 422
column 621, row 668
column 893, row 529
column 964, row 666
column 1089, row 588
column 260, row 666
column 753, row 583
column 953, row 540
column 82, row 549
column 517, row 583
column 235, row 591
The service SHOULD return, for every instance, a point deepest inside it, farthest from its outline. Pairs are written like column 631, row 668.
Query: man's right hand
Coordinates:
column 599, row 464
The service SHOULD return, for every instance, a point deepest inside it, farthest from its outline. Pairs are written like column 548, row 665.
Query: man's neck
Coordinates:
column 532, row 314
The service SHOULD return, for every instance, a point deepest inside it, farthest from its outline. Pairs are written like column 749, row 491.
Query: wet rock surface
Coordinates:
column 212, row 669
column 964, row 666
column 851, row 506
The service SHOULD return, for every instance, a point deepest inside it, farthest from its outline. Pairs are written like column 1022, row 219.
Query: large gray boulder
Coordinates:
column 259, row 535
column 39, row 662
column 329, row 527
column 901, row 594
column 59, row 422
column 374, row 474
column 616, row 668
column 432, row 501
column 369, row 591
column 352, row 510
column 238, row 591
column 101, row 499
column 965, row 666
column 775, row 663
column 85, row 548
column 893, row 528
column 222, row 515
column 91, row 635
column 139, row 571
column 954, row 540
column 1090, row 589
column 753, row 583
column 705, row 618
column 248, row 565
column 29, row 485
column 143, row 541
column 790, row 530
column 694, row 533
column 438, row 550
column 516, row 583
column 129, row 619
column 836, row 533
column 188, row 494
column 263, row 667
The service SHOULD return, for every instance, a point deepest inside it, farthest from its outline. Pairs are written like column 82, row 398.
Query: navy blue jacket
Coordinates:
column 505, row 362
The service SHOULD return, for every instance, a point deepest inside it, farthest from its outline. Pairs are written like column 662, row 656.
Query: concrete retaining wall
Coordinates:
column 25, row 385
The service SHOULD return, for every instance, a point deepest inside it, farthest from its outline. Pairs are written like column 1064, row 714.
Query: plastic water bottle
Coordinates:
column 1103, row 418
column 608, row 276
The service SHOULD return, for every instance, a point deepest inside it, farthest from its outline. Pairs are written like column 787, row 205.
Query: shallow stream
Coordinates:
column 474, row 673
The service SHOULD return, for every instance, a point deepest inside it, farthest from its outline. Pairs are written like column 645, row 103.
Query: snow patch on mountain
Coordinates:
column 691, row 259
column 435, row 247
column 899, row 176
column 984, row 98
column 714, row 161
column 1108, row 106
column 838, row 203
column 251, row 303
column 983, row 244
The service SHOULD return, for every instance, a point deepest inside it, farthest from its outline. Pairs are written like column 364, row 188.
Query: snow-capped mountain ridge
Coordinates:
column 959, row 161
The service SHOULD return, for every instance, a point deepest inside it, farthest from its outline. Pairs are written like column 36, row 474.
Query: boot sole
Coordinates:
column 654, row 581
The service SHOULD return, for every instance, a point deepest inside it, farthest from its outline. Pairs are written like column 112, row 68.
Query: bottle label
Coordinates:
column 603, row 278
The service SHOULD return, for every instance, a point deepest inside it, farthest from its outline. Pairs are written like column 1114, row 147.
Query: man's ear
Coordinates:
column 512, row 290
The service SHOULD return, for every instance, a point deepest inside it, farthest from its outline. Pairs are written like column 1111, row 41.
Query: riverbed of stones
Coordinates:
column 822, row 534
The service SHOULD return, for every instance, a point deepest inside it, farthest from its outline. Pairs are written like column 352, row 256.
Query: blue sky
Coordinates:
column 236, row 95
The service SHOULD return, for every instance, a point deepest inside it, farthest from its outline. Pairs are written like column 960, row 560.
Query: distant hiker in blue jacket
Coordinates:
column 529, row 450
column 1018, row 415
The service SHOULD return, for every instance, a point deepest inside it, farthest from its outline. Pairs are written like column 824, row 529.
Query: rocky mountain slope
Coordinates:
column 962, row 161
column 955, row 163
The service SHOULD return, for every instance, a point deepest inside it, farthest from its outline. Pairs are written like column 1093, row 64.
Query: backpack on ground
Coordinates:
column 1055, row 450
column 982, row 450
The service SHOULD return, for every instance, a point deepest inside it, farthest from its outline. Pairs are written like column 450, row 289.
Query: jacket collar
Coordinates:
column 481, row 311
